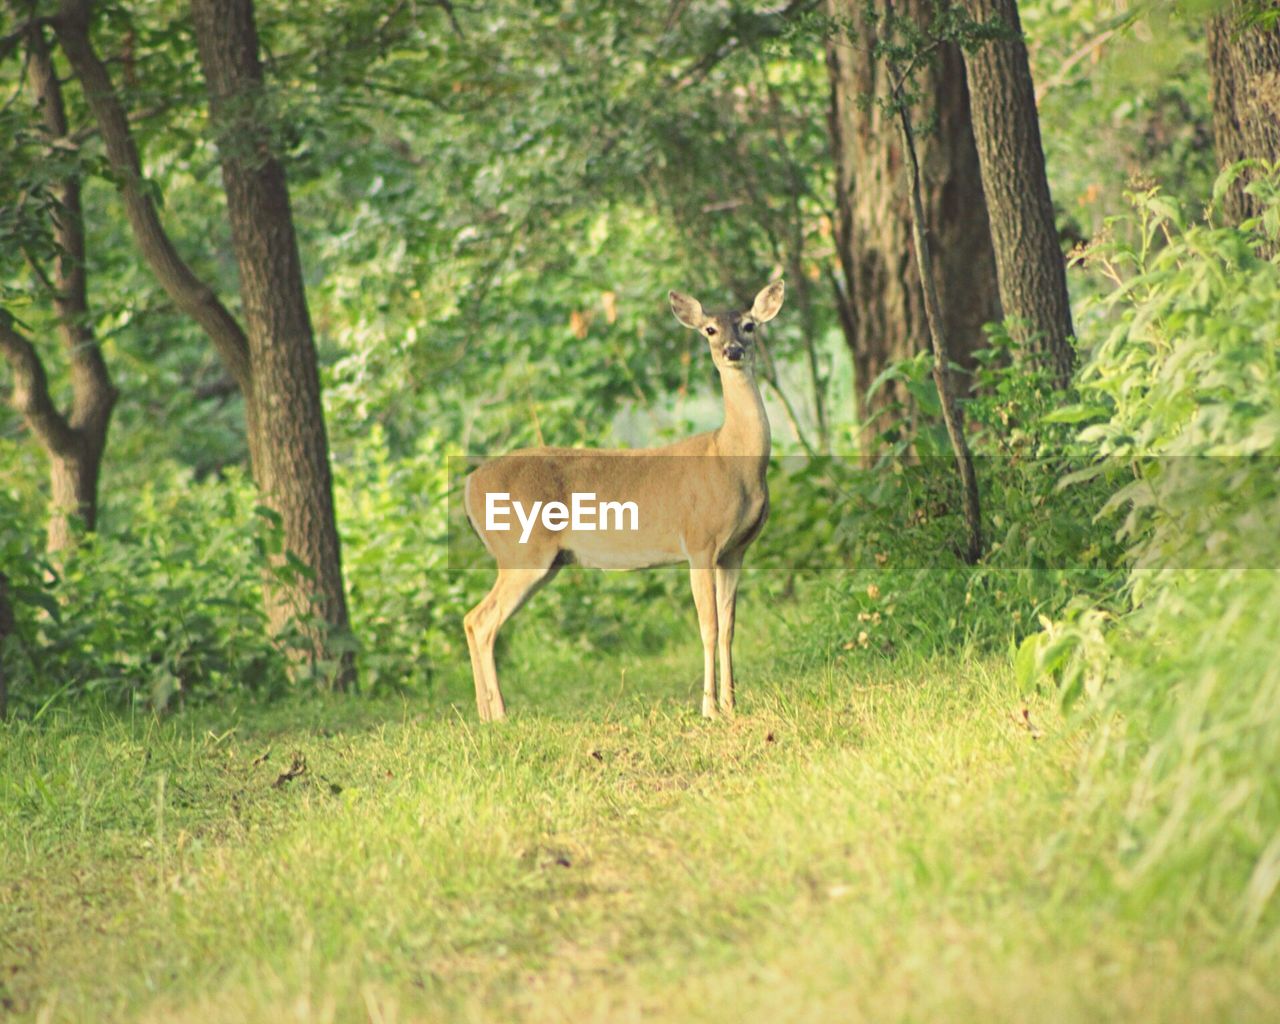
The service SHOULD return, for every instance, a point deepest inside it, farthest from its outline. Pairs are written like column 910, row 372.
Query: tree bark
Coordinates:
column 76, row 447
column 941, row 358
column 942, row 378
column 30, row 395
column 881, row 303
column 289, row 446
column 75, row 452
column 1244, row 65
column 1029, row 262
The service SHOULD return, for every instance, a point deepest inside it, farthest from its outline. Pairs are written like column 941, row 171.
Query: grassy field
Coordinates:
column 872, row 841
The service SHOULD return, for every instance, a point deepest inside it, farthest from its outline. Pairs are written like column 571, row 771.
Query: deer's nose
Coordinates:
column 734, row 353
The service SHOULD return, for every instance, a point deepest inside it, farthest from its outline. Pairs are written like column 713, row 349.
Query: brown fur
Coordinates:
column 702, row 500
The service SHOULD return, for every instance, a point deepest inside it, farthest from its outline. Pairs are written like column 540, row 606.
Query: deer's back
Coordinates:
column 653, row 506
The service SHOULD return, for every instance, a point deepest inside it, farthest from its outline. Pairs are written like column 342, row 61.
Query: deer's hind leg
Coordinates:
column 510, row 591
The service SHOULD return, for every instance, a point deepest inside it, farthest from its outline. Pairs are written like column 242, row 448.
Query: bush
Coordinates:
column 406, row 607
column 1184, row 389
column 166, row 610
column 882, row 544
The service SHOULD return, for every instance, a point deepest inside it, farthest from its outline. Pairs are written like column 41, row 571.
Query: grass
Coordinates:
column 872, row 840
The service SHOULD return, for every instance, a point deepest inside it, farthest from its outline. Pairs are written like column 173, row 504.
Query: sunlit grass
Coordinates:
column 871, row 841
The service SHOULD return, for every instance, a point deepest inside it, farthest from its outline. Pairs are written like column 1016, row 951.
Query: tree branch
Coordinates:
column 1064, row 70
column 222, row 388
column 193, row 296
column 93, row 394
column 447, row 7
column 10, row 40
column 88, row 131
column 31, row 395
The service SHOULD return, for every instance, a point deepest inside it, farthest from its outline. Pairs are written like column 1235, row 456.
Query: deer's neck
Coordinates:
column 746, row 427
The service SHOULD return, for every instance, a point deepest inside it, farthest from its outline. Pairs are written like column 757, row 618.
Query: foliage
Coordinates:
column 491, row 211
column 1123, row 95
column 406, row 608
column 181, row 585
column 516, row 197
column 492, row 202
column 1183, row 385
column 883, row 539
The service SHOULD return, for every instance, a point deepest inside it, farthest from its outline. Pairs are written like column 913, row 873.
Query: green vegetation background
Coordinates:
column 1041, row 788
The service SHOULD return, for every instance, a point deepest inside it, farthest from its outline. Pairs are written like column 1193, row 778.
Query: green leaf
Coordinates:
column 1026, row 662
column 1076, row 413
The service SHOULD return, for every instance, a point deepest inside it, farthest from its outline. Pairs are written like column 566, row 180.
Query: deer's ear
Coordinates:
column 768, row 302
column 687, row 310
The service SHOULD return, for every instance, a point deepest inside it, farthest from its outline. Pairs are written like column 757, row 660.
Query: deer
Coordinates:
column 702, row 500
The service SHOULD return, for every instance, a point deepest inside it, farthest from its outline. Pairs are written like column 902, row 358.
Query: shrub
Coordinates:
column 1184, row 391
column 884, row 541
column 166, row 609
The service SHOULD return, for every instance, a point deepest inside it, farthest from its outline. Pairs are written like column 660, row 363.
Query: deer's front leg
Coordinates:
column 704, row 598
column 727, row 576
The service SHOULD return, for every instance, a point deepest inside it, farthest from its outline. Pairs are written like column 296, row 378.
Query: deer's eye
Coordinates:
column 710, row 331
column 748, row 327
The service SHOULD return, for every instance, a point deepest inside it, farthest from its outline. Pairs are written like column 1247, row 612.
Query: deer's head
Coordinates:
column 731, row 336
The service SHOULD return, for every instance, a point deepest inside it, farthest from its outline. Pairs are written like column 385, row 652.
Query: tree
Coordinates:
column 937, row 330
column 289, row 445
column 273, row 362
column 1029, row 261
column 75, row 440
column 881, row 302
column 1244, row 65
column 904, row 51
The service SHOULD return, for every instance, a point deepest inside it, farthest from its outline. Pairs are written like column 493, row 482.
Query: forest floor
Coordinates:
column 884, row 841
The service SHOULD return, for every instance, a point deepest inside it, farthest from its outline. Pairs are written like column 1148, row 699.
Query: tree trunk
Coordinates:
column 1029, row 261
column 74, row 468
column 881, row 302
column 73, row 480
column 1244, row 64
column 74, row 444
column 937, row 335
column 287, row 441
